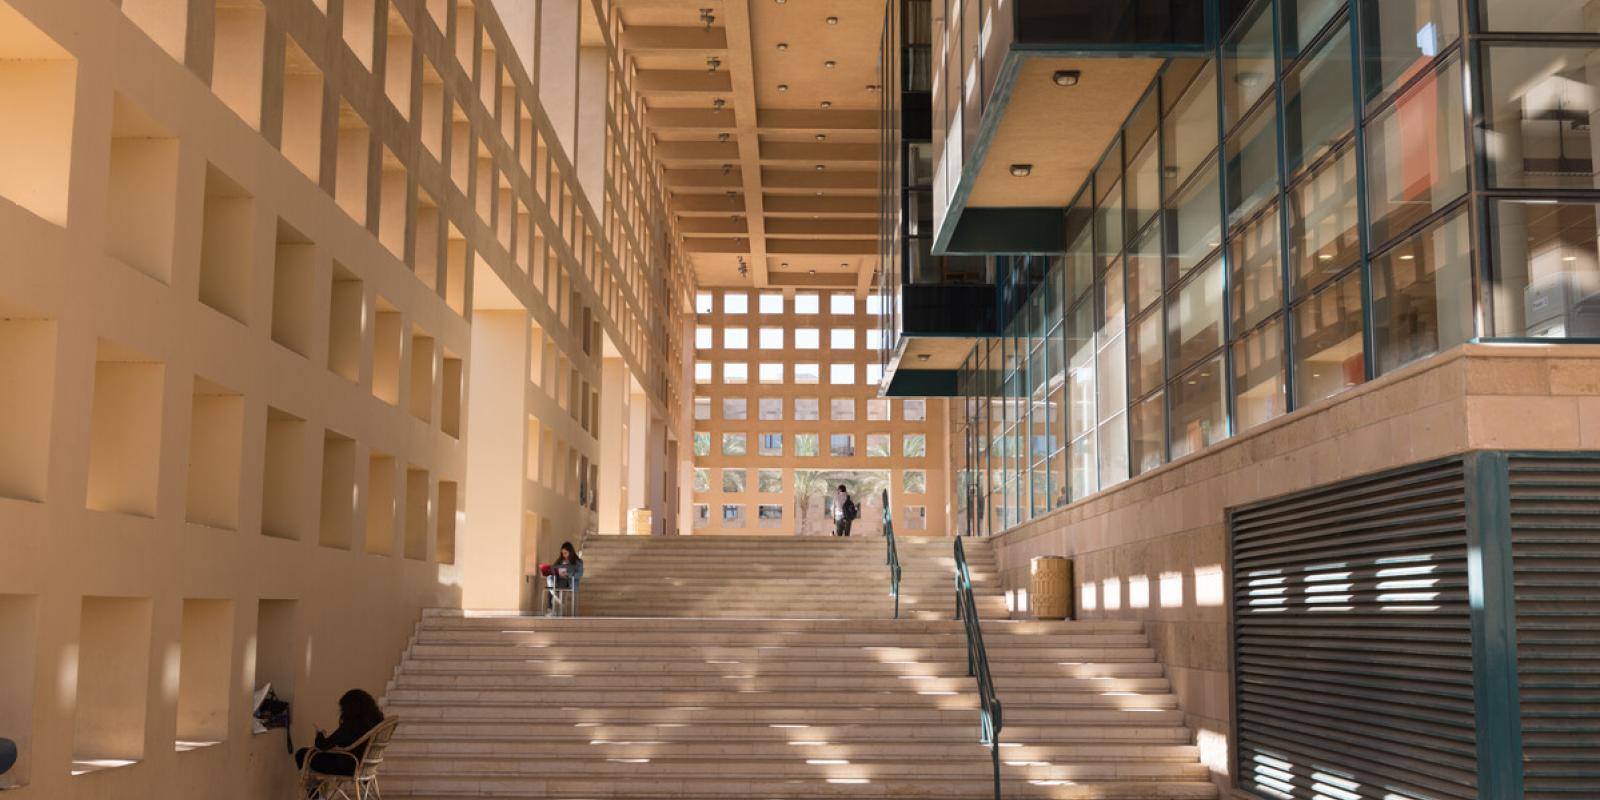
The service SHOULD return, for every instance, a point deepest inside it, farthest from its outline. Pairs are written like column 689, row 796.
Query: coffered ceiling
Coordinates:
column 765, row 115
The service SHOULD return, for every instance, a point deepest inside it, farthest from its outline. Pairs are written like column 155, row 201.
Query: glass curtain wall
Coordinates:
column 1288, row 219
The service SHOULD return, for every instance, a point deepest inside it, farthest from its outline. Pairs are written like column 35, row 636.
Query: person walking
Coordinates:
column 844, row 512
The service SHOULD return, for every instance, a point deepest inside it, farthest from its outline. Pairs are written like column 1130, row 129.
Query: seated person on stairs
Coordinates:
column 564, row 575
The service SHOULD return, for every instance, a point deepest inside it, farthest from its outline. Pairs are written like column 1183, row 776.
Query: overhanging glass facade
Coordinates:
column 1341, row 189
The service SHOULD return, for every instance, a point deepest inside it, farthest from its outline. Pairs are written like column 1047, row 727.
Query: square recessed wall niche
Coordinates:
column 353, row 163
column 19, row 629
column 393, row 195
column 125, row 431
column 284, row 476
column 227, row 232
column 359, row 16
column 301, row 140
column 38, row 90
column 418, row 503
column 397, row 69
column 390, row 340
column 380, row 503
column 142, row 192
column 113, row 675
column 421, row 379
column 240, row 51
column 347, row 323
column 338, row 490
column 294, row 270
column 205, row 672
column 277, row 647
column 28, row 371
column 216, row 446
column 450, row 375
column 444, row 547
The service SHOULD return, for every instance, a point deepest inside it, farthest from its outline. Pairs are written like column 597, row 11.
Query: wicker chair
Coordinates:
column 363, row 783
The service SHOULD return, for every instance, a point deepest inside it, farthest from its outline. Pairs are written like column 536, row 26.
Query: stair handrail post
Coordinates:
column 989, row 717
column 893, row 554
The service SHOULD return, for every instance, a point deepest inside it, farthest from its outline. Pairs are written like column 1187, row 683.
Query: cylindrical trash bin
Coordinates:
column 1051, row 595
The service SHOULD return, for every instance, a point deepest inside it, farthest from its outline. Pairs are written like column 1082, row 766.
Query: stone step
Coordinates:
column 840, row 734
column 952, row 653
column 456, row 619
column 912, row 697
column 442, row 786
column 798, row 765
column 993, row 640
column 839, row 669
column 711, row 748
column 733, row 678
column 698, row 715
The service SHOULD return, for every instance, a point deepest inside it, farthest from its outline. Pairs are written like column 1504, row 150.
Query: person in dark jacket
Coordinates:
column 358, row 714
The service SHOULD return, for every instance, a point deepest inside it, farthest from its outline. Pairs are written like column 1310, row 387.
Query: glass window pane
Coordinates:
column 771, row 303
column 736, row 338
column 769, row 481
column 914, row 410
column 1328, row 342
column 1080, row 261
column 1144, row 355
column 1256, row 278
column 702, row 444
column 914, row 481
column 807, row 373
column 1324, row 223
column 733, row 444
column 1113, row 441
column 842, row 304
column 1112, row 378
column 733, row 481
column 1416, row 154
column 842, row 374
column 735, row 408
column 1252, row 159
column 1318, row 102
column 702, row 372
column 703, row 339
column 878, row 445
column 807, row 338
column 1303, row 20
column 877, row 409
column 1144, row 184
column 704, row 303
column 805, row 444
column 1148, row 434
column 1546, row 275
column 1144, row 270
column 735, row 373
column 914, row 445
column 770, row 408
column 807, row 303
column 1247, row 63
column 769, row 444
column 806, row 408
column 1083, row 462
column 1194, row 228
column 771, row 338
column 1199, row 409
column 1081, row 416
column 841, row 445
column 1258, row 377
column 1399, row 38
column 842, row 338
column 702, row 408
column 1539, row 16
column 1194, row 318
column 1191, row 128
column 736, row 303
column 1422, row 294
column 842, row 409
column 1541, row 103
column 702, row 479
column 1108, row 232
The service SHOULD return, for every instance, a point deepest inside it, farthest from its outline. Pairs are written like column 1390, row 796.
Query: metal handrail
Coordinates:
column 894, row 554
column 978, row 663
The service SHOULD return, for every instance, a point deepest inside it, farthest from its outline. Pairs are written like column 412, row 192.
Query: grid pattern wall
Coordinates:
column 1353, row 660
column 786, row 409
column 1303, row 211
column 1555, row 533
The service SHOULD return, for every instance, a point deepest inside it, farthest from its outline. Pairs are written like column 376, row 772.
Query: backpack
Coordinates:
column 851, row 510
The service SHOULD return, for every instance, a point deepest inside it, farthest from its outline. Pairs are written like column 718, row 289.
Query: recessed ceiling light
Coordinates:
column 819, row 194
column 872, row 87
column 1408, row 257
column 1021, row 170
column 924, row 357
column 783, row 46
column 811, row 272
column 785, row 265
column 833, row 20
column 822, row 137
column 780, row 2
column 820, row 167
column 1066, row 77
column 1569, row 259
column 783, row 87
column 827, row 104
column 830, row 64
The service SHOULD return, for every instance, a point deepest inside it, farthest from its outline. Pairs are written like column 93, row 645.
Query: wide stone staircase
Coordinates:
column 652, row 706
column 779, row 577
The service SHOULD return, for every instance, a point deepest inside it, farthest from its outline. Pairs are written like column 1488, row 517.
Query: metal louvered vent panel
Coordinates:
column 1555, row 556
column 1353, row 640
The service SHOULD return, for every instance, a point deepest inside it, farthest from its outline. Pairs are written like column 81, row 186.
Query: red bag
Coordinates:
column 545, row 570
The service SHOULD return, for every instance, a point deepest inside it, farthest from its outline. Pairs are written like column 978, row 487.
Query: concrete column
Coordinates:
column 615, row 445
column 491, row 544
column 590, row 155
column 640, row 454
column 558, row 67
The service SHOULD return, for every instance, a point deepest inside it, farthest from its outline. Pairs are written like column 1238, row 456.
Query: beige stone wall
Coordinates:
column 242, row 249
column 1154, row 549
